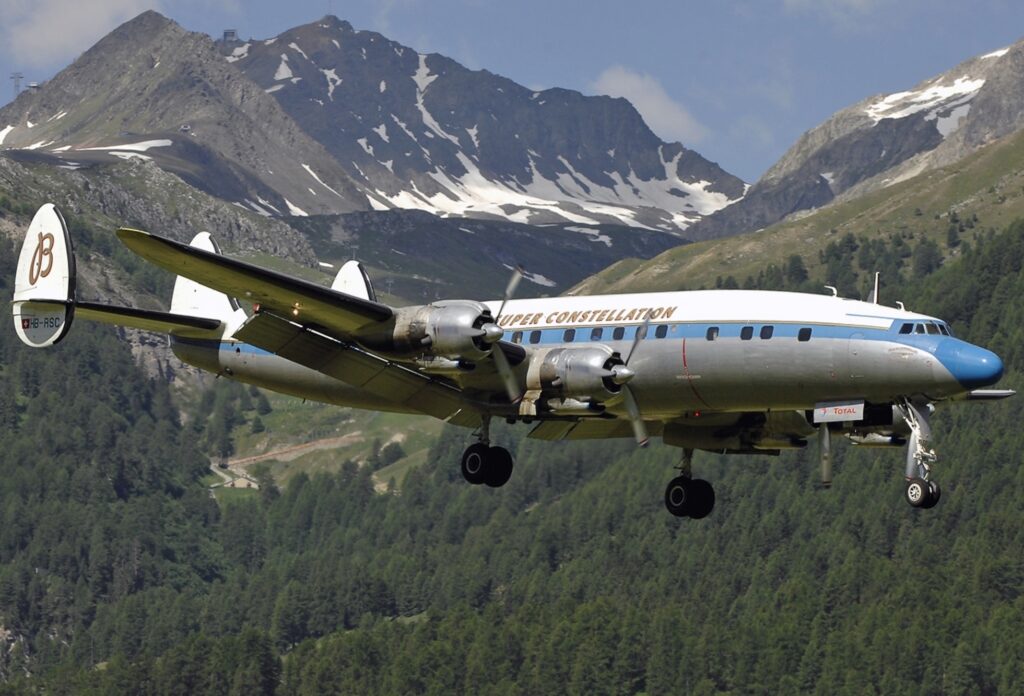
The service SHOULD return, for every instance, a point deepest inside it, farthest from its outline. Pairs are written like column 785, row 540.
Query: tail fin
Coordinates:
column 44, row 286
column 353, row 280
column 192, row 299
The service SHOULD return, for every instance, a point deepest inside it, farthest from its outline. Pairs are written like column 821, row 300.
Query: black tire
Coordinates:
column 917, row 492
column 702, row 497
column 499, row 467
column 678, row 496
column 475, row 463
column 934, row 494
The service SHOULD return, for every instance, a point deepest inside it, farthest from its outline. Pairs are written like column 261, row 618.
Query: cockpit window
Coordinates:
column 919, row 328
column 932, row 328
column 906, row 328
column 943, row 330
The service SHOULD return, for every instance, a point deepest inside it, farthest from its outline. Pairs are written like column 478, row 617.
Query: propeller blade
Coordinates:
column 641, row 332
column 507, row 376
column 639, row 429
column 513, row 283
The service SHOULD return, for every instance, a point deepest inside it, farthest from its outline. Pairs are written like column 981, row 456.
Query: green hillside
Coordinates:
column 119, row 574
column 982, row 192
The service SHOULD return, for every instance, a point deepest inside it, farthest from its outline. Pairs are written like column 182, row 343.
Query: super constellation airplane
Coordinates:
column 727, row 371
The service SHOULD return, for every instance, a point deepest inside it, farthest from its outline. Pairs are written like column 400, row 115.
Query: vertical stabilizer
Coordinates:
column 195, row 300
column 352, row 280
column 44, row 286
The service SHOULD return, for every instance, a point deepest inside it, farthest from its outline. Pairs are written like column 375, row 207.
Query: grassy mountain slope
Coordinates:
column 988, row 184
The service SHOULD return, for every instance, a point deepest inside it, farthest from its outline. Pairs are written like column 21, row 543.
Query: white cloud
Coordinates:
column 41, row 33
column 843, row 12
column 49, row 33
column 665, row 116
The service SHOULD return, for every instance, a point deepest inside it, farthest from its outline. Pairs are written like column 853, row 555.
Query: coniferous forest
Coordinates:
column 120, row 574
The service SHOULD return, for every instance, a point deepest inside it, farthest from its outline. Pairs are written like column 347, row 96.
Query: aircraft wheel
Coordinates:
column 917, row 492
column 498, row 467
column 702, row 496
column 934, row 493
column 678, row 496
column 474, row 463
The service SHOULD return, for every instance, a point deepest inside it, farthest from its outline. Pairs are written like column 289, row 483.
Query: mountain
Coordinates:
column 325, row 119
column 885, row 139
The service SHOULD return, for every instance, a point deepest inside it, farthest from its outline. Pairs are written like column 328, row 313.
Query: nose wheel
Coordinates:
column 922, row 494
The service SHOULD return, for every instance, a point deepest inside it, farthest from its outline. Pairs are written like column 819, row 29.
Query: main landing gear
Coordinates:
column 921, row 492
column 482, row 463
column 686, row 496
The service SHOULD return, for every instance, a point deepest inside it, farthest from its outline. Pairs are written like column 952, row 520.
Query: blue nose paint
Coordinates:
column 971, row 366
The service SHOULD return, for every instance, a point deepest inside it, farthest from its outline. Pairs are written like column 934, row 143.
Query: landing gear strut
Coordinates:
column 482, row 463
column 686, row 496
column 920, row 492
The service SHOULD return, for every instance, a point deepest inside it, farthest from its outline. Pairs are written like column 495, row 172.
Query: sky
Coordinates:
column 736, row 80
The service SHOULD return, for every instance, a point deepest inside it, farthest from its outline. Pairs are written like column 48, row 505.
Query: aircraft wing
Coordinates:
column 362, row 369
column 336, row 313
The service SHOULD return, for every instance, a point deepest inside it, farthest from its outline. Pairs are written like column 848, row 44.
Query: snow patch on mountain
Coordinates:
column 284, row 71
column 239, row 53
column 4, row 133
column 332, row 81
column 902, row 104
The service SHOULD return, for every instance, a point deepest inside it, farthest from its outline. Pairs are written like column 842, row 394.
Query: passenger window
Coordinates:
column 712, row 333
column 618, row 332
column 804, row 334
column 919, row 328
column 641, row 331
column 535, row 336
column 766, row 332
column 746, row 332
column 569, row 336
column 932, row 328
column 661, row 331
column 517, row 337
column 595, row 334
column 906, row 328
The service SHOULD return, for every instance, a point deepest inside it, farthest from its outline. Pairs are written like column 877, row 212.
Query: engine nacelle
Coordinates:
column 457, row 329
column 595, row 372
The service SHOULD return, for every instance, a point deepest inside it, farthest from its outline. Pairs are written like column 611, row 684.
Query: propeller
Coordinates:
column 493, row 333
column 625, row 374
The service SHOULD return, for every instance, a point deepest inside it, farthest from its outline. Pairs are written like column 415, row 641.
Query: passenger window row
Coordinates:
column 661, row 331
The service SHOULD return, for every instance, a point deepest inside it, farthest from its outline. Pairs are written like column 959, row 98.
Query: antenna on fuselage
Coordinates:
column 874, row 293
column 834, row 289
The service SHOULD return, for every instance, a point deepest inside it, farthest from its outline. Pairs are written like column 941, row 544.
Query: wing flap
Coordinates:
column 336, row 313
column 357, row 367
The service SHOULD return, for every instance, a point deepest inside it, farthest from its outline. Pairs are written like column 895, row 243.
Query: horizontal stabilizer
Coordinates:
column 151, row 320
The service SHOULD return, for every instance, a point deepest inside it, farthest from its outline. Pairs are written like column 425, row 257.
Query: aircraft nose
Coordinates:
column 973, row 366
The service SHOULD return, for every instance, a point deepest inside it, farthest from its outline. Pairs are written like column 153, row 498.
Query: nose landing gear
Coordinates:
column 920, row 492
